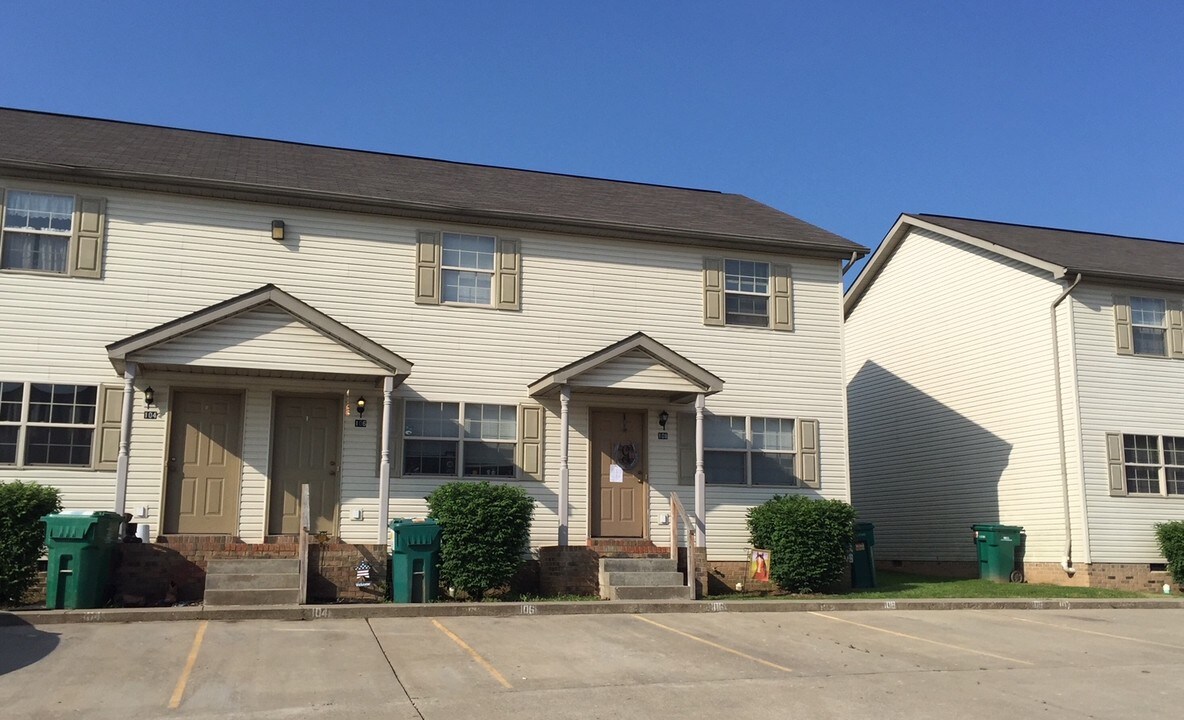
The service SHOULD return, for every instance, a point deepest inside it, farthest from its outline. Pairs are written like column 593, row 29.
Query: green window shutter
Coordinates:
column 713, row 291
column 86, row 246
column 530, row 442
column 782, row 312
column 686, row 448
column 396, row 430
column 1176, row 329
column 1115, row 471
column 427, row 268
column 1122, row 325
column 110, row 418
column 808, row 468
column 508, row 277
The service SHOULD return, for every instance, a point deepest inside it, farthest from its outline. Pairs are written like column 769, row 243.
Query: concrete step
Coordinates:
column 252, row 566
column 650, row 592
column 252, row 597
column 608, row 565
column 619, row 579
column 252, row 581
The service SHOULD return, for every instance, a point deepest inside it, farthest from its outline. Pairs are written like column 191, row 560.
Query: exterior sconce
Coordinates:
column 277, row 229
column 149, row 396
column 361, row 405
column 663, row 417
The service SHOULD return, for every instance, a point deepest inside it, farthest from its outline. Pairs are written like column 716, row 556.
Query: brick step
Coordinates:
column 650, row 592
column 252, row 566
column 621, row 579
column 252, row 581
column 252, row 597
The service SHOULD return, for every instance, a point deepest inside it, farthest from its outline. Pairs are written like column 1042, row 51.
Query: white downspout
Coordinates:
column 384, row 465
column 125, row 437
column 1067, row 562
column 564, row 418
column 700, row 475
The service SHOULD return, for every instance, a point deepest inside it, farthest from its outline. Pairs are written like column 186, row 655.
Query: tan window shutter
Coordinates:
column 1176, row 329
column 86, row 247
column 530, row 442
column 713, row 291
column 427, row 268
column 508, row 278
column 110, row 418
column 808, row 467
column 1122, row 325
column 1115, row 471
column 686, row 448
column 782, row 299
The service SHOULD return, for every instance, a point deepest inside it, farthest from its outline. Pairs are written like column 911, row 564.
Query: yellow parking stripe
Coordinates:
column 1095, row 632
column 921, row 639
column 717, row 646
column 179, row 691
column 475, row 655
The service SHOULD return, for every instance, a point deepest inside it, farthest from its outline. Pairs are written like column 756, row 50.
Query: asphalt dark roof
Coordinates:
column 1084, row 252
column 87, row 147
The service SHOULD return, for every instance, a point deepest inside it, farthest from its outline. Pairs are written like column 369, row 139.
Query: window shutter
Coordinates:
column 1115, row 470
column 86, row 247
column 713, row 291
column 686, row 448
column 530, row 442
column 1176, row 329
column 782, row 299
column 809, row 471
column 1122, row 325
column 508, row 277
column 427, row 268
column 110, row 418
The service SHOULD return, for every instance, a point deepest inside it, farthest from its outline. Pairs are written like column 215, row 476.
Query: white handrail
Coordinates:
column 305, row 522
column 679, row 514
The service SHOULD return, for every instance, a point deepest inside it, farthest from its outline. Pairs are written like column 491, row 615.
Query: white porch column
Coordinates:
column 125, row 437
column 384, row 465
column 564, row 403
column 700, row 476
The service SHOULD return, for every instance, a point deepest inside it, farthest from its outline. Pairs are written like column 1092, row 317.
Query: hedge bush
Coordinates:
column 1171, row 544
column 809, row 540
column 486, row 531
column 22, row 535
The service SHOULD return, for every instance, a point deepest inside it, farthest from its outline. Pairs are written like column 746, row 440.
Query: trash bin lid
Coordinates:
column 995, row 527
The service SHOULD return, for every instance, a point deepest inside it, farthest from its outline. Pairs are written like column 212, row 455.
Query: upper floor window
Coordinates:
column 45, row 424
column 463, row 269
column 1149, row 326
column 468, row 268
column 37, row 232
column 748, row 293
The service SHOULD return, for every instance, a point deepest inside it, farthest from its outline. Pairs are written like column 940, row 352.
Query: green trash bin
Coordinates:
column 999, row 550
column 415, row 560
column 81, row 553
column 863, row 558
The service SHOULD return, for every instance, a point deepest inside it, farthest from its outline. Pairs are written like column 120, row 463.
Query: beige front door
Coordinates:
column 618, row 484
column 204, row 463
column 304, row 451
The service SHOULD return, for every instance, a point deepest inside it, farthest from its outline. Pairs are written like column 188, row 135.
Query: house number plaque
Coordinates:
column 151, row 414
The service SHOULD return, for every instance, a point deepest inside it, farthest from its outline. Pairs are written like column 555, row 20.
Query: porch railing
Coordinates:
column 305, row 522
column 679, row 515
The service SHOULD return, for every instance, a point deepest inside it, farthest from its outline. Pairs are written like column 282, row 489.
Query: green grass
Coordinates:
column 901, row 586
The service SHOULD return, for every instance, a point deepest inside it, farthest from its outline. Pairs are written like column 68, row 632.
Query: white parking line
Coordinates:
column 924, row 640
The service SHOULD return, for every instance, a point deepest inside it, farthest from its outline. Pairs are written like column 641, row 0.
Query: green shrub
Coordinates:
column 809, row 540
column 486, row 531
column 1171, row 544
column 22, row 535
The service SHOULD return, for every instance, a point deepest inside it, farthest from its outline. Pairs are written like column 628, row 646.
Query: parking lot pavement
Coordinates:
column 904, row 664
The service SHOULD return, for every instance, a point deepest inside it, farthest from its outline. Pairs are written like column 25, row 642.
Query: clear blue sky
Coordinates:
column 845, row 114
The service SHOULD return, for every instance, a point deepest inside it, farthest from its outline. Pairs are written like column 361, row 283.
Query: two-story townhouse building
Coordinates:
column 1023, row 375
column 195, row 325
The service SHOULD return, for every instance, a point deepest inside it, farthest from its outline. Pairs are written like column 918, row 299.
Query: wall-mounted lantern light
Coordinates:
column 361, row 405
column 149, row 396
column 277, row 229
column 663, row 417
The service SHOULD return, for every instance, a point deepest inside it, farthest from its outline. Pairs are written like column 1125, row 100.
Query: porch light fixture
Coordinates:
column 149, row 396
column 277, row 229
column 662, row 418
column 361, row 405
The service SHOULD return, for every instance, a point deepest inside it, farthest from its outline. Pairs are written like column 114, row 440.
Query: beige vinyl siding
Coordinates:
column 951, row 404
column 170, row 255
column 1122, row 394
column 634, row 371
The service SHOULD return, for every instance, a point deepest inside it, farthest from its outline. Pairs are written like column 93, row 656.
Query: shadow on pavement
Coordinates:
column 22, row 644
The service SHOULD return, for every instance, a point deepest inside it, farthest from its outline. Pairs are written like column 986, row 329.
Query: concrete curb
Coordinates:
column 358, row 611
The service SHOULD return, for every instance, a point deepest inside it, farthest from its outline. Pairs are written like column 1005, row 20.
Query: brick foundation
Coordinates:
column 1138, row 577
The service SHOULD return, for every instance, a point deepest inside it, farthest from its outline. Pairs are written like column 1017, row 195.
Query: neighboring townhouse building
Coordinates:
column 1021, row 375
column 195, row 325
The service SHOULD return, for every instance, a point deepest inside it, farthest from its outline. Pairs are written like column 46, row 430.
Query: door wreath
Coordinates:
column 626, row 455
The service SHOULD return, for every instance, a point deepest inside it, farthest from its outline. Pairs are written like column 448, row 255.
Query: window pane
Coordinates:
column 467, row 287
column 429, row 457
column 724, row 468
column 57, row 446
column 8, row 439
column 491, row 422
column 1141, row 449
column 772, row 434
column 62, row 404
column 1173, row 451
column 39, row 212
column 1142, row 479
column 1150, row 341
column 1148, row 311
column 747, row 310
column 430, row 419
column 772, row 469
column 489, row 459
column 468, row 251
column 25, row 251
column 722, row 432
column 746, row 276
column 11, row 396
column 1175, row 481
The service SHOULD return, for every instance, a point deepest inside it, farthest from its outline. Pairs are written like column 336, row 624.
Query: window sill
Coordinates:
column 36, row 273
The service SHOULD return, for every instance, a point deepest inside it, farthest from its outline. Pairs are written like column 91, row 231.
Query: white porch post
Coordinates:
column 384, row 466
column 125, row 437
column 700, row 476
column 564, row 403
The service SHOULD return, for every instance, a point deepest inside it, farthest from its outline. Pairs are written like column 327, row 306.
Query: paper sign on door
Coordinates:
column 615, row 473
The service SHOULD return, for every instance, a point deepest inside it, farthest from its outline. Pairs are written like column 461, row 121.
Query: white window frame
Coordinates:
column 461, row 441
column 23, row 425
column 749, row 451
column 1161, row 467
column 767, row 294
column 1162, row 327
column 446, row 268
column 67, row 234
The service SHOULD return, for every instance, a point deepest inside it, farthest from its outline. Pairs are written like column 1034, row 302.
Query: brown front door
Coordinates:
column 304, row 451
column 618, row 488
column 205, row 465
